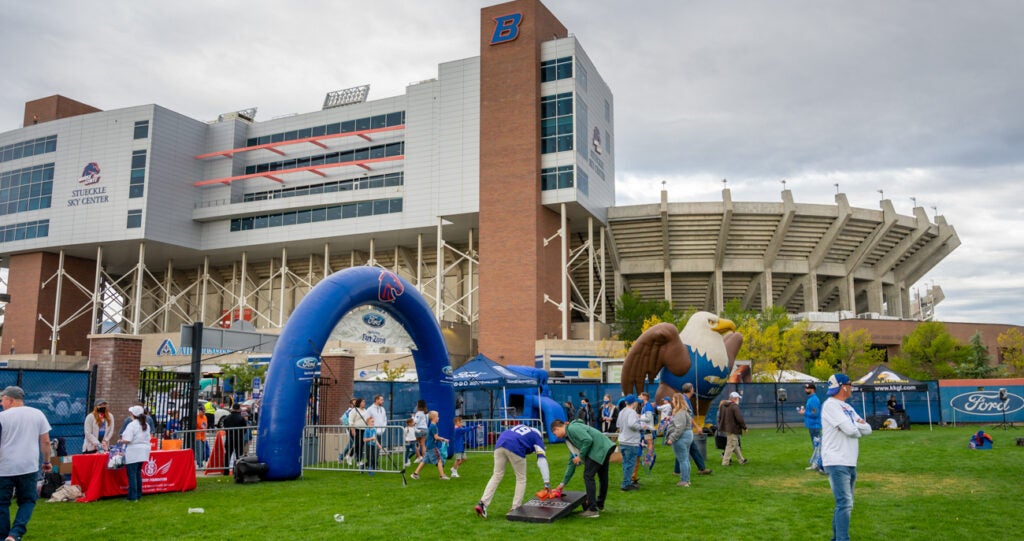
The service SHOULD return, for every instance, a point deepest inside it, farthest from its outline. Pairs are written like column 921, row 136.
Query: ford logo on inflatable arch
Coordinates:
column 986, row 403
column 374, row 320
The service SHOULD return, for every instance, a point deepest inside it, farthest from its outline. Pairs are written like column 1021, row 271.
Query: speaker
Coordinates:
column 781, row 394
column 1002, row 394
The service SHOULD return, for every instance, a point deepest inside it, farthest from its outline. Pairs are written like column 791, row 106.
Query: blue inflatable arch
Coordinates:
column 296, row 358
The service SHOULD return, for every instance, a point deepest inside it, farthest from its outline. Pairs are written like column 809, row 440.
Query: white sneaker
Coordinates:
column 348, row 461
column 455, row 473
column 418, row 460
column 407, row 463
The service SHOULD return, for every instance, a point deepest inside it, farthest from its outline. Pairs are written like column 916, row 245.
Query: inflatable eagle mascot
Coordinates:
column 703, row 354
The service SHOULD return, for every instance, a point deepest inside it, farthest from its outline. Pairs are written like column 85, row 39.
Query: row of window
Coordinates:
column 24, row 149
column 26, row 189
column 553, row 178
column 321, row 214
column 137, row 178
column 553, row 70
column 556, row 124
column 364, row 183
column 359, row 124
column 28, row 230
column 356, row 155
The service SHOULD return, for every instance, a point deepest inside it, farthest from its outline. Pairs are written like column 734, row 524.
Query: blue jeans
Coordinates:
column 629, row 454
column 842, row 479
column 698, row 458
column 814, row 433
column 134, row 471
column 24, row 487
column 681, row 448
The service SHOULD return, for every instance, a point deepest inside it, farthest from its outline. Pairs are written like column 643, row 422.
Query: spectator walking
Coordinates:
column 679, row 434
column 380, row 418
column 410, row 440
column 371, row 446
column 357, row 420
column 730, row 421
column 433, row 453
column 459, row 444
column 24, row 437
column 201, row 450
column 841, row 430
column 99, row 429
column 630, row 440
column 590, row 447
column 346, row 453
column 421, row 423
column 234, row 427
column 695, row 454
column 811, row 411
column 511, row 448
column 136, row 439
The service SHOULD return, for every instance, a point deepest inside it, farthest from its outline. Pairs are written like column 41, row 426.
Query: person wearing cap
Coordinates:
column 234, row 427
column 811, row 411
column 24, row 437
column 841, row 430
column 99, row 429
column 730, row 421
column 136, row 440
column 630, row 440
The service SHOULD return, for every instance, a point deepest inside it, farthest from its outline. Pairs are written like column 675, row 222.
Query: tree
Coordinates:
column 930, row 352
column 1011, row 346
column 631, row 311
column 776, row 344
column 850, row 353
column 242, row 375
column 975, row 364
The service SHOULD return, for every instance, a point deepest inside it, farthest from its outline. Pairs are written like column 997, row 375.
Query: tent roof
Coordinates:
column 882, row 379
column 785, row 376
column 483, row 373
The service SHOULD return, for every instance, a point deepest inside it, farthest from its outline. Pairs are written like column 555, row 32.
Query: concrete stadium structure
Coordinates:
column 491, row 188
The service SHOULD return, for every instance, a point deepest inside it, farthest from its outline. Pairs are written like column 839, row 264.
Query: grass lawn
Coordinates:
column 917, row 484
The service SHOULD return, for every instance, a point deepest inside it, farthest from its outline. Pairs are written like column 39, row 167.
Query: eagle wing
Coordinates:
column 658, row 347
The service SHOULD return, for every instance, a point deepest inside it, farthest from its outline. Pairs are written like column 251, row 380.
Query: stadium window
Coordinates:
column 142, row 129
column 135, row 219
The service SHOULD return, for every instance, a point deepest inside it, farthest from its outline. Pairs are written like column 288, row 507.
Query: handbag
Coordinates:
column 116, row 459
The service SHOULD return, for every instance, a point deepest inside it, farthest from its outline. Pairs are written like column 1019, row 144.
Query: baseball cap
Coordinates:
column 100, row 402
column 630, row 399
column 135, row 410
column 666, row 399
column 735, row 395
column 13, row 391
column 810, row 386
column 835, row 381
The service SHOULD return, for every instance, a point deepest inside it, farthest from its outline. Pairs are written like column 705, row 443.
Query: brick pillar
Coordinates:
column 118, row 359
column 337, row 372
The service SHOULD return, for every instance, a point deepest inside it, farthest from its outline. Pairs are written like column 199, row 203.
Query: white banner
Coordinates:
column 371, row 326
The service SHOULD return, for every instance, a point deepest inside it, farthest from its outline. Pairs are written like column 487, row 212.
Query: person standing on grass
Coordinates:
column 511, row 448
column 459, row 444
column 730, row 421
column 630, row 440
column 812, row 420
column 420, row 422
column 695, row 453
column 409, row 435
column 608, row 414
column 433, row 454
column 380, row 418
column 136, row 438
column 371, row 445
column 841, row 430
column 590, row 447
column 679, row 434
column 24, row 437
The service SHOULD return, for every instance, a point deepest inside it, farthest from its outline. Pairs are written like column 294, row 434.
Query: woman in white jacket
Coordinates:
column 99, row 429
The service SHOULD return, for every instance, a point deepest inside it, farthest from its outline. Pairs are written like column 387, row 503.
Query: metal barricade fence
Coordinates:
column 341, row 448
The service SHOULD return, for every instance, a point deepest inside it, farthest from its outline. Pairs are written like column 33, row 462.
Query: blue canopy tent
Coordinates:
column 483, row 373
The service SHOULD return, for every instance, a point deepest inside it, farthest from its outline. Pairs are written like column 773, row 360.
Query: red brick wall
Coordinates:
column 337, row 372
column 118, row 359
column 53, row 108
column 22, row 326
column 516, row 270
column 890, row 333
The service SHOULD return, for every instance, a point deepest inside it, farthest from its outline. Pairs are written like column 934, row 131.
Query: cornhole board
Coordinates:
column 536, row 510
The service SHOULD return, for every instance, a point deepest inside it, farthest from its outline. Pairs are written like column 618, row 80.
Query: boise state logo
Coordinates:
column 90, row 175
column 390, row 287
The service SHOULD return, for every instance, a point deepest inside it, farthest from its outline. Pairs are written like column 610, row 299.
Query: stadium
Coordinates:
column 490, row 187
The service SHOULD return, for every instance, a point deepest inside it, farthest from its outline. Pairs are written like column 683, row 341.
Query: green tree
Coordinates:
column 631, row 311
column 930, row 352
column 850, row 353
column 775, row 344
column 1011, row 347
column 242, row 375
column 975, row 364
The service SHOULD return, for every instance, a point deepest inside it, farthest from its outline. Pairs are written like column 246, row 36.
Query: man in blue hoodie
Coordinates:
column 812, row 420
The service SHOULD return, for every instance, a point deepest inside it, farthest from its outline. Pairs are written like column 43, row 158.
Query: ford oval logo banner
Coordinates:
column 307, row 368
column 374, row 320
column 986, row 403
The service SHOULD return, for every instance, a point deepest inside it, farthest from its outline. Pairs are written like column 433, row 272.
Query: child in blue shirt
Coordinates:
column 459, row 444
column 372, row 445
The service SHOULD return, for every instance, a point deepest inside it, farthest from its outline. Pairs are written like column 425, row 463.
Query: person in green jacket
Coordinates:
column 587, row 445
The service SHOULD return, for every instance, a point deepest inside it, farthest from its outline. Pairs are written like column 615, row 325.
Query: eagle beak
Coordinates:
column 724, row 325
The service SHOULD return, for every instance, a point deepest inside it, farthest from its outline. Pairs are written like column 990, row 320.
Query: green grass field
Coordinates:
column 917, row 484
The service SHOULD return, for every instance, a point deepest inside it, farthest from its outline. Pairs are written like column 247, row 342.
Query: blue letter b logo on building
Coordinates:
column 506, row 28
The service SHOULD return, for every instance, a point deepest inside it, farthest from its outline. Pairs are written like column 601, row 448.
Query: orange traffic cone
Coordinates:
column 215, row 466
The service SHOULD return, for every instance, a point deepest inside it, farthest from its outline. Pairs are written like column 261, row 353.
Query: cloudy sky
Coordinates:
column 920, row 99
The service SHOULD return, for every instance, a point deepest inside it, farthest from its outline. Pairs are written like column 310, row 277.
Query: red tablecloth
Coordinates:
column 166, row 471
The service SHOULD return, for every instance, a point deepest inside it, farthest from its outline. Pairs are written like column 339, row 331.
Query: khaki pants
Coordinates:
column 732, row 445
column 502, row 458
